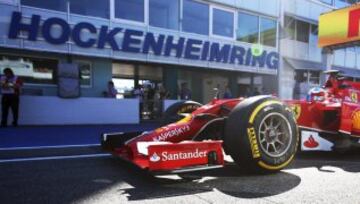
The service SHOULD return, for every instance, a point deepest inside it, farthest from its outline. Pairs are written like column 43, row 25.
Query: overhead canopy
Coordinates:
column 355, row 73
column 340, row 28
column 304, row 65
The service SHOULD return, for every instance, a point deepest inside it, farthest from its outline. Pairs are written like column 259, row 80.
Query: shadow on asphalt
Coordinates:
column 107, row 179
column 349, row 161
column 228, row 180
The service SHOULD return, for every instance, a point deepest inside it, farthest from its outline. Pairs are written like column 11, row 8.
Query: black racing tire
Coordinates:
column 261, row 135
column 173, row 113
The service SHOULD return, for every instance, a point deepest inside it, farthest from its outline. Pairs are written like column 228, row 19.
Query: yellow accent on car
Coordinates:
column 356, row 120
column 354, row 97
column 296, row 109
column 186, row 119
column 261, row 106
column 270, row 167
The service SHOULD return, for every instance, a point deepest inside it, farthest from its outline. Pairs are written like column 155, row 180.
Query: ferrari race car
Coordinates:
column 329, row 119
column 259, row 133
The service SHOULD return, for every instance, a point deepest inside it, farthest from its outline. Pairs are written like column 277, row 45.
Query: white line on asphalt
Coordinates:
column 54, row 158
column 48, row 147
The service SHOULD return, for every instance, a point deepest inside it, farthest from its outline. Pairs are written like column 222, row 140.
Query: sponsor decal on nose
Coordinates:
column 311, row 142
column 155, row 158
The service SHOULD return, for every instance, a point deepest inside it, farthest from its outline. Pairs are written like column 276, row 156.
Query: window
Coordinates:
column 339, row 57
column 195, row 17
column 97, row 8
column 268, row 32
column 29, row 69
column 314, row 50
column 350, row 57
column 248, row 28
column 130, row 10
column 344, row 3
column 302, row 31
column 313, row 38
column 85, row 72
column 314, row 78
column 150, row 72
column 290, row 27
column 124, row 87
column 330, row 2
column 57, row 5
column 310, row 77
column 164, row 14
column 223, row 23
column 358, row 57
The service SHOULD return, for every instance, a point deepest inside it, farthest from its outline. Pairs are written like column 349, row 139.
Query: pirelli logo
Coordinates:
column 253, row 143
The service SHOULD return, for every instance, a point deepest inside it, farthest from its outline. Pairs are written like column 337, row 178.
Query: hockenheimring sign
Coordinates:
column 135, row 41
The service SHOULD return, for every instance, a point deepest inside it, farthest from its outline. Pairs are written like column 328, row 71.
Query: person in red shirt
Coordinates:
column 10, row 90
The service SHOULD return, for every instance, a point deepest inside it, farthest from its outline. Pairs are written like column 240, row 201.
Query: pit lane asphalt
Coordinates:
column 312, row 178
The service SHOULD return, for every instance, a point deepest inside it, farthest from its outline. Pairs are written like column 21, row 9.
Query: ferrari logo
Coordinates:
column 296, row 110
column 354, row 97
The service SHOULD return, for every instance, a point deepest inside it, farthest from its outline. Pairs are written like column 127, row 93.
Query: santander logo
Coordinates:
column 311, row 142
column 154, row 157
column 167, row 156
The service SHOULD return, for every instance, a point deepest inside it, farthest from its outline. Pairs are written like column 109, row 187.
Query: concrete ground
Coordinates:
column 314, row 178
column 65, row 165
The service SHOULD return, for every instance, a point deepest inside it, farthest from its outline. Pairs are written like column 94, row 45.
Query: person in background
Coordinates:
column 304, row 88
column 138, row 93
column 264, row 91
column 10, row 89
column 296, row 91
column 185, row 93
column 256, row 92
column 247, row 92
column 111, row 90
column 227, row 93
column 164, row 94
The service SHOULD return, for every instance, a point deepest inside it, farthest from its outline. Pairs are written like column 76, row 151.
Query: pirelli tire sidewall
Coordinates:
column 242, row 137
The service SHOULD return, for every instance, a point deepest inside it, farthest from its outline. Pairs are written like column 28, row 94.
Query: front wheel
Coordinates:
column 261, row 134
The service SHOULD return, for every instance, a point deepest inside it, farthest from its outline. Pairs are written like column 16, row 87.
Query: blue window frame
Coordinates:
column 195, row 17
column 130, row 10
column 223, row 23
column 97, row 8
column 164, row 13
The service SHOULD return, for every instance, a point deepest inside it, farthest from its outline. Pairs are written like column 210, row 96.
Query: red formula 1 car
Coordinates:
column 259, row 133
column 329, row 119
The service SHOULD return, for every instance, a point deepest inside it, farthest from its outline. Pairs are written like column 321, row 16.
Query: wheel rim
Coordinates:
column 275, row 134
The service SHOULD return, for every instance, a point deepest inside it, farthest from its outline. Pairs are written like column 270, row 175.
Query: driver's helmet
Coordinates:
column 316, row 94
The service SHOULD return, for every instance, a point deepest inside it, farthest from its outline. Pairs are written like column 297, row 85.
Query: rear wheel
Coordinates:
column 175, row 111
column 261, row 135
